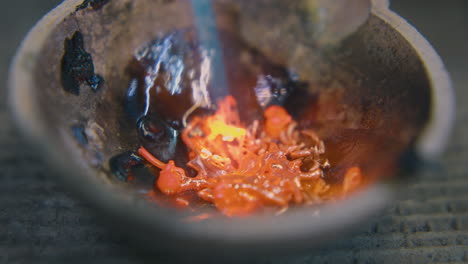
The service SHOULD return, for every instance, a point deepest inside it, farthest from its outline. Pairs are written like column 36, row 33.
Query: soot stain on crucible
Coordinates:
column 79, row 133
column 77, row 66
column 90, row 136
column 95, row 4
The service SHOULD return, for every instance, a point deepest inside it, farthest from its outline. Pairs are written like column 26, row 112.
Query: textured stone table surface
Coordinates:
column 40, row 222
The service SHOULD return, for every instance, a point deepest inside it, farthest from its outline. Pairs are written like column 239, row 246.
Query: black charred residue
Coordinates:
column 272, row 90
column 95, row 4
column 160, row 138
column 162, row 75
column 130, row 168
column 168, row 76
column 77, row 66
column 123, row 164
column 79, row 133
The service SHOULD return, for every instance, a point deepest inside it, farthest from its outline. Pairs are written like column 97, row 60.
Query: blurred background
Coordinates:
column 41, row 223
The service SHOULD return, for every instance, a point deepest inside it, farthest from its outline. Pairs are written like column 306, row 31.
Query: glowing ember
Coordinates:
column 242, row 169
